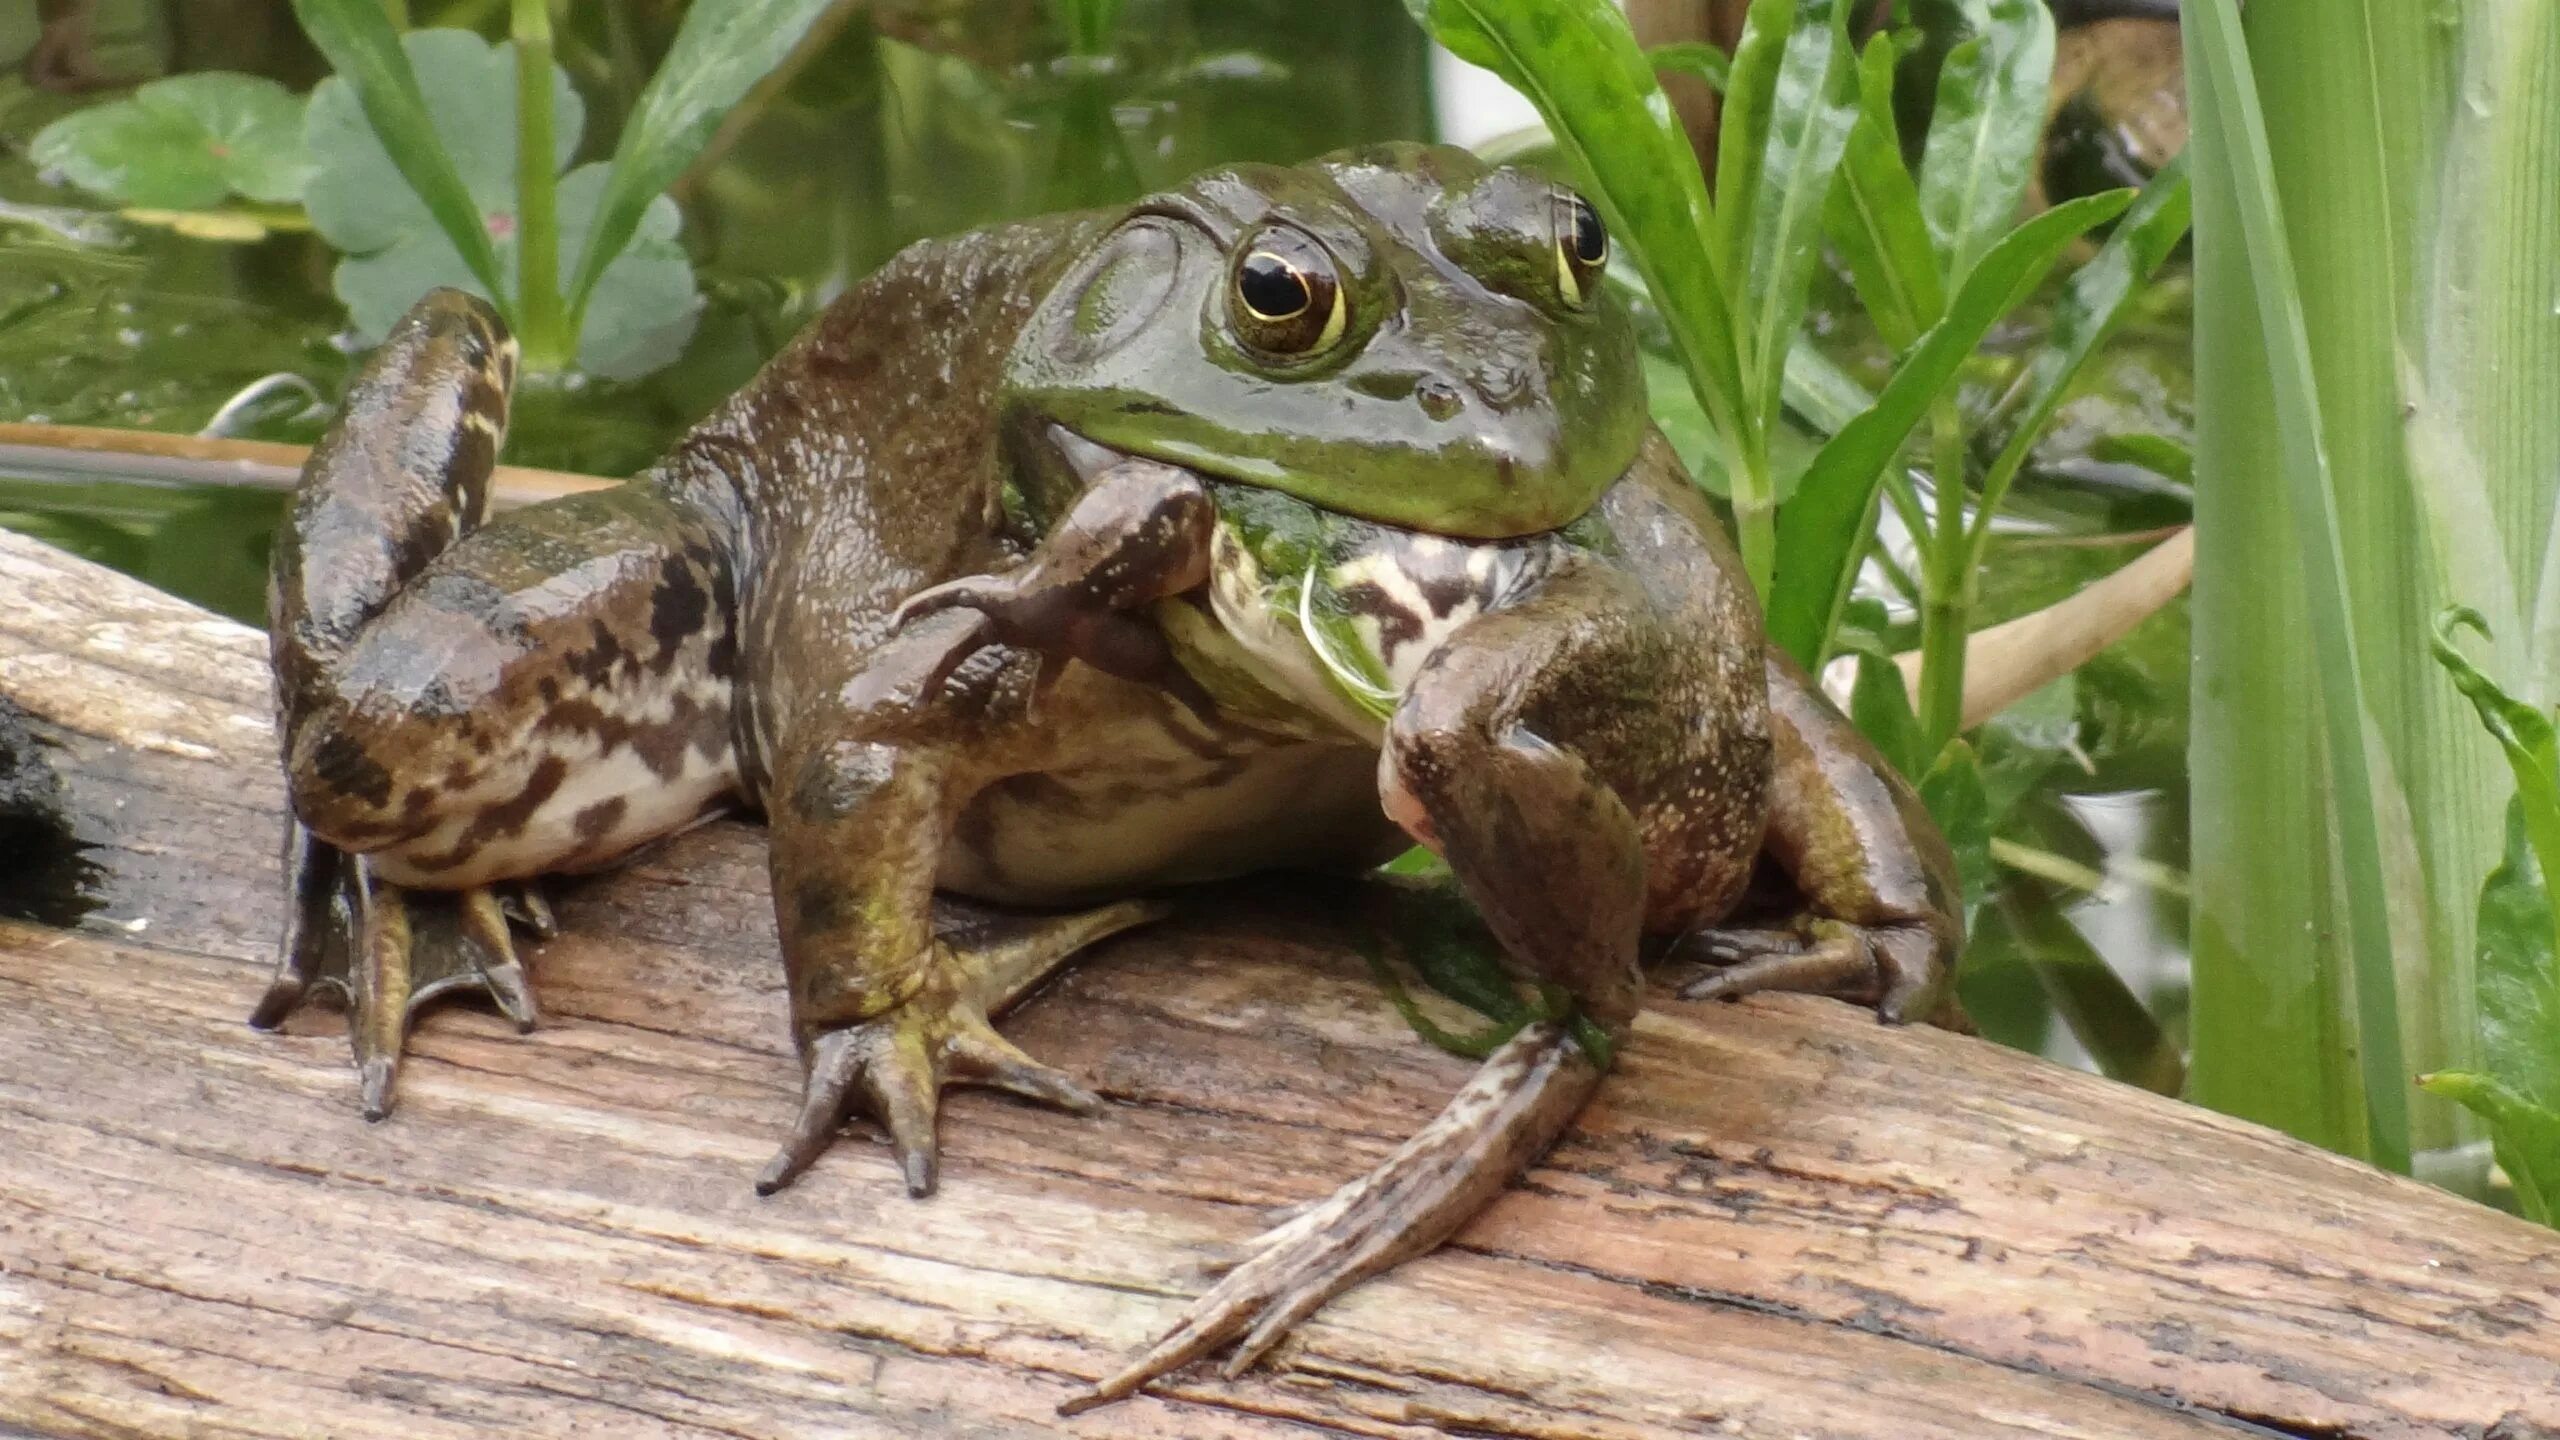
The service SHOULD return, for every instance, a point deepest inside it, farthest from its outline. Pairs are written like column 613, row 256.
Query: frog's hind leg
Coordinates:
column 466, row 707
column 1881, row 924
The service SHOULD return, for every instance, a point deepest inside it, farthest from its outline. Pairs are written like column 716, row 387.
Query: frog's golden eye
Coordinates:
column 1286, row 299
column 1582, row 249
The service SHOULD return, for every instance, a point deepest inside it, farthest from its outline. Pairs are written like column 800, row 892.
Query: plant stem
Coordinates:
column 1946, row 602
column 547, row 343
column 1755, row 509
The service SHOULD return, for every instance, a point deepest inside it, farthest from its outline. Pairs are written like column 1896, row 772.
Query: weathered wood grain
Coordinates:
column 1780, row 1219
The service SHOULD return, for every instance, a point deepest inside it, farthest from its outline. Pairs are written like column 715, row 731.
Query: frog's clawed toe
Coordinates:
column 1895, row 970
column 386, row 952
column 893, row 1069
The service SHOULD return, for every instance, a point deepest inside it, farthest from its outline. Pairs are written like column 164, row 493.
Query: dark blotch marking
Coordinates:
column 340, row 763
column 600, row 819
column 1396, row 625
column 505, row 819
column 678, row 608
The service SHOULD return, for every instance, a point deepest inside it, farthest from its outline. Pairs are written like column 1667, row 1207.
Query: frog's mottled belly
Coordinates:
column 1159, row 797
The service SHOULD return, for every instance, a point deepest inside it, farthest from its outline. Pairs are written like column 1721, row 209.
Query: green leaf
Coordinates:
column 719, row 53
column 1987, row 130
column 644, row 308
column 2093, row 304
column 1578, row 63
column 1880, row 706
column 1823, row 530
column 1874, row 213
column 1954, row 795
column 2242, row 212
column 357, row 39
column 1694, row 58
column 1742, row 130
column 1808, row 125
column 2162, row 455
column 183, row 144
column 2523, row 731
column 2524, row 1136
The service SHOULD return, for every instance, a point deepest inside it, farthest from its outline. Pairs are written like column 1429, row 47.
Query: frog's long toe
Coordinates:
column 386, row 952
column 1504, row 1118
column 893, row 1068
column 1891, row 968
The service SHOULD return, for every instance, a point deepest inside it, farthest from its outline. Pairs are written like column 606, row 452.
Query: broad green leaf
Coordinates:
column 2524, row 732
column 183, row 144
column 1822, row 531
column 1987, row 130
column 1694, row 58
column 2519, row 970
column 1816, row 103
column 1874, row 212
column 1742, row 129
column 646, row 306
column 2093, row 304
column 2524, row 1136
column 357, row 40
column 1578, row 63
column 720, row 51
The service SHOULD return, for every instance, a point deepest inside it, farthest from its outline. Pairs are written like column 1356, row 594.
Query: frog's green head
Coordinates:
column 1403, row 334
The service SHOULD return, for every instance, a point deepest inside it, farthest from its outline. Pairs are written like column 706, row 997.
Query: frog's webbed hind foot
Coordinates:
column 1896, row 970
column 386, row 952
column 1506, row 1116
column 893, row 1067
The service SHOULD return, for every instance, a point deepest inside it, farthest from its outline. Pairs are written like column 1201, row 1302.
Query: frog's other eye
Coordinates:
column 1582, row 249
column 1286, row 299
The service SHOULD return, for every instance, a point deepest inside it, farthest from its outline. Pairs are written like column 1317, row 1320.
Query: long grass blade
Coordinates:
column 2236, row 176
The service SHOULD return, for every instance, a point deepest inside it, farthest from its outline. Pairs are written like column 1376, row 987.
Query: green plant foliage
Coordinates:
column 1693, row 58
column 719, row 53
column 643, row 310
column 1988, row 128
column 1954, row 792
column 356, row 38
column 2518, row 978
column 1875, row 215
column 1578, row 63
column 187, row 143
column 1824, row 528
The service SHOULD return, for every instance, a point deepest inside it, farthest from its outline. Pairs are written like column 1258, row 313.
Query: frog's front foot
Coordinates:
column 893, row 1066
column 1898, row 970
column 387, row 951
column 1417, row 1197
column 1140, row 534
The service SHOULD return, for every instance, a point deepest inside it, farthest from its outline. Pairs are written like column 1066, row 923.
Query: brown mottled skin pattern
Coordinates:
column 912, row 616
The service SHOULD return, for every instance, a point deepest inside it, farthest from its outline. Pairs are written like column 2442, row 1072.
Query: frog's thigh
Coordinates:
column 549, row 693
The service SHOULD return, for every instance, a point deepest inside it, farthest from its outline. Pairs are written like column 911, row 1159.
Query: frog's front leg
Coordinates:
column 1138, row 534
column 1506, row 755
column 1881, row 924
column 885, row 1011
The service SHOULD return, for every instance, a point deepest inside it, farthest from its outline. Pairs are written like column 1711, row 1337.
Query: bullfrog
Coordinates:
column 1284, row 519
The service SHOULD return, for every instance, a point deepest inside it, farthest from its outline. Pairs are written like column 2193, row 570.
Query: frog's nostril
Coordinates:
column 1439, row 399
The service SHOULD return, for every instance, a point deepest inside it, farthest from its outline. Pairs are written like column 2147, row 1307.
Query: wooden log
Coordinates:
column 1780, row 1219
